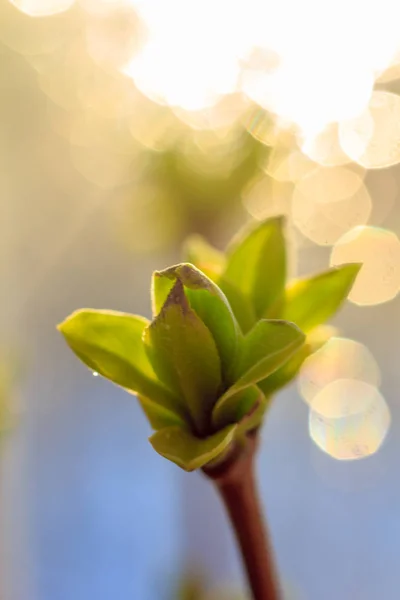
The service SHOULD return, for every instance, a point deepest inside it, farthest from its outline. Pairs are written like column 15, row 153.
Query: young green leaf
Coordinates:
column 211, row 305
column 158, row 416
column 240, row 304
column 188, row 451
column 253, row 419
column 268, row 346
column 160, row 288
column 205, row 257
column 110, row 343
column 236, row 407
column 283, row 376
column 256, row 263
column 312, row 301
column 184, row 355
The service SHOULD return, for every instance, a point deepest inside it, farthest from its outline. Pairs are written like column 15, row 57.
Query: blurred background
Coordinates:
column 127, row 125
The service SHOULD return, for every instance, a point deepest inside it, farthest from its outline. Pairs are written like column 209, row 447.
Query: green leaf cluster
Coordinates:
column 225, row 335
column 253, row 275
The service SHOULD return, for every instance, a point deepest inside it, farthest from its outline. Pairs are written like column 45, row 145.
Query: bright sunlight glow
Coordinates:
column 311, row 63
column 42, row 8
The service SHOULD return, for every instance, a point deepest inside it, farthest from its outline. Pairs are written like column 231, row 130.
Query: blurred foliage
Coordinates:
column 9, row 372
column 201, row 185
column 191, row 587
column 194, row 587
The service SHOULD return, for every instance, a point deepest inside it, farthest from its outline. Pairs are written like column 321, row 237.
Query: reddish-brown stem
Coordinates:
column 236, row 485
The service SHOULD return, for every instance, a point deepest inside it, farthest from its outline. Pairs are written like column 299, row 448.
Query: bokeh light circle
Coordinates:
column 183, row 63
column 288, row 166
column 391, row 71
column 339, row 358
column 266, row 197
column 42, row 8
column 328, row 202
column 113, row 39
column 349, row 420
column 262, row 127
column 372, row 139
column 103, row 7
column 379, row 252
column 383, row 187
column 324, row 147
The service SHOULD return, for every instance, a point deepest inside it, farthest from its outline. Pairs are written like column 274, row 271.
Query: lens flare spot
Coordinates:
column 379, row 252
column 350, row 419
column 328, row 202
column 339, row 358
column 373, row 138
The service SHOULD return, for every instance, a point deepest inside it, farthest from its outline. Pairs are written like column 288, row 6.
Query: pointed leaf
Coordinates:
column 204, row 256
column 283, row 376
column 254, row 418
column 211, row 305
column 189, row 452
column 268, row 346
column 160, row 288
column 257, row 264
column 236, row 407
column 314, row 300
column 241, row 305
column 212, row 262
column 158, row 416
column 110, row 343
column 184, row 356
